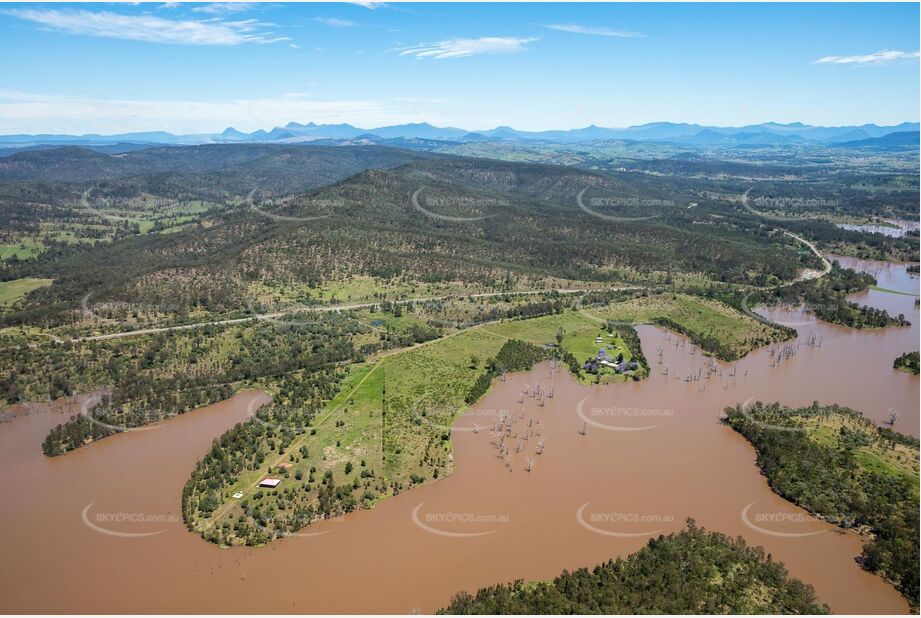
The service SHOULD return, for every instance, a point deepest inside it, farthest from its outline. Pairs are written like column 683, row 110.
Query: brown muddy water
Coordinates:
column 99, row 530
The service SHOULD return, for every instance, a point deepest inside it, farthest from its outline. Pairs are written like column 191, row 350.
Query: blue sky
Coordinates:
column 189, row 68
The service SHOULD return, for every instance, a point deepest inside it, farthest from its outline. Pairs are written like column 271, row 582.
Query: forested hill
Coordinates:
column 429, row 219
column 691, row 572
column 236, row 167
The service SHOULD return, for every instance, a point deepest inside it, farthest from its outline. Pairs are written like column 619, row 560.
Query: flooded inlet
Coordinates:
column 98, row 530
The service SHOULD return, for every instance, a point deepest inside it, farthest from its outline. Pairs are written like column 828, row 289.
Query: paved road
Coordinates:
column 328, row 308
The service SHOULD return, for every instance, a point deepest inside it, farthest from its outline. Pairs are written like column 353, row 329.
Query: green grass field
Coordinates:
column 11, row 291
column 701, row 318
column 898, row 460
column 23, row 250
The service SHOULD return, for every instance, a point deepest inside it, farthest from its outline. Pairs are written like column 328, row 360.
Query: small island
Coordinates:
column 690, row 572
column 908, row 363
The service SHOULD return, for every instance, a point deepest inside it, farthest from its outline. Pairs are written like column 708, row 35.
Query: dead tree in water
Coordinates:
column 529, row 464
column 540, row 447
column 893, row 417
column 584, row 428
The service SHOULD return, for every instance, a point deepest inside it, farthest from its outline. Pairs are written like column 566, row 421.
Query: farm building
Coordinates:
column 269, row 482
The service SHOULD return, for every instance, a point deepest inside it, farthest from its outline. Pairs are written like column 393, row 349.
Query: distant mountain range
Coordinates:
column 769, row 133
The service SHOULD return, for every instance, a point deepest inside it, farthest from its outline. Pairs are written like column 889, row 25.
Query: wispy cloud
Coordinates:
column 368, row 5
column 149, row 28
column 880, row 57
column 461, row 48
column 335, row 22
column 223, row 8
column 33, row 113
column 593, row 30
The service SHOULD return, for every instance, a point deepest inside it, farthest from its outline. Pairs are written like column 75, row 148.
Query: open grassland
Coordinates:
column 11, row 291
column 24, row 249
column 894, row 459
column 717, row 328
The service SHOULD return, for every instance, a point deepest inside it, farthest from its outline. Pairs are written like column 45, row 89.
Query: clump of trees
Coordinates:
column 908, row 362
column 690, row 572
column 515, row 355
column 828, row 478
column 155, row 377
column 824, row 296
column 629, row 336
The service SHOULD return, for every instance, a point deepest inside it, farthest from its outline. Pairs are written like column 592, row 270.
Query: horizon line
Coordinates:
column 469, row 131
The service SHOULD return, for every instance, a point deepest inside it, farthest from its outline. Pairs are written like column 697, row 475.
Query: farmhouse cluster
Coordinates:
column 602, row 360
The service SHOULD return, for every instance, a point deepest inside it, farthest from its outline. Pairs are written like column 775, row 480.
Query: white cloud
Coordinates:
column 223, row 8
column 24, row 112
column 461, row 48
column 336, row 22
column 368, row 5
column 593, row 30
column 149, row 28
column 886, row 55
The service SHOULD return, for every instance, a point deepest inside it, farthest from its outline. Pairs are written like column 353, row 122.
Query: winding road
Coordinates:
column 804, row 276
